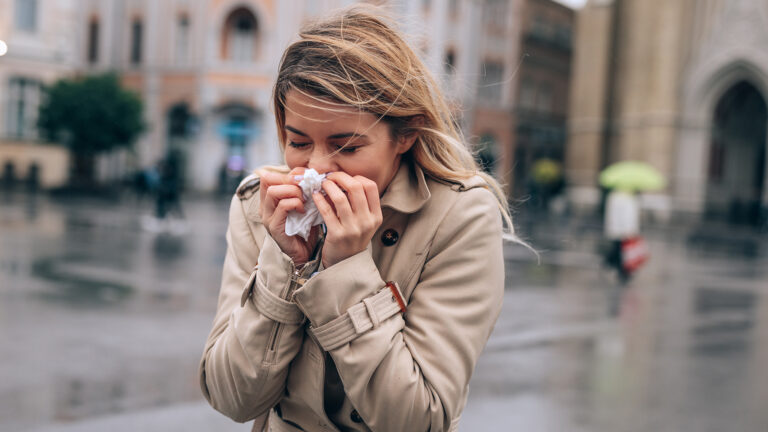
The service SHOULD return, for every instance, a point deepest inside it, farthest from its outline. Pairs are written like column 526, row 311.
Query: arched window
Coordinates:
column 240, row 36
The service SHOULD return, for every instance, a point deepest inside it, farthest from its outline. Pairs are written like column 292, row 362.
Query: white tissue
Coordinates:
column 301, row 223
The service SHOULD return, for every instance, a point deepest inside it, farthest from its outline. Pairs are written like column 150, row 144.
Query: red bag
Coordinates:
column 634, row 253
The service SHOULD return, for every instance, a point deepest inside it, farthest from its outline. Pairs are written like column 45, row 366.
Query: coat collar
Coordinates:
column 408, row 190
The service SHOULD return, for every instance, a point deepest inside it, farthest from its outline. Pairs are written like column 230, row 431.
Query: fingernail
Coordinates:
column 298, row 178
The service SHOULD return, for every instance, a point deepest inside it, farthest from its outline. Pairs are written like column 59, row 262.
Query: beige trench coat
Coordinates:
column 441, row 245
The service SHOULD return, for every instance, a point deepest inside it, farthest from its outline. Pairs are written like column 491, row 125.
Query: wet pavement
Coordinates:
column 102, row 322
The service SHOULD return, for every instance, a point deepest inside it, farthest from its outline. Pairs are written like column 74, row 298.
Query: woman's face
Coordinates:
column 328, row 138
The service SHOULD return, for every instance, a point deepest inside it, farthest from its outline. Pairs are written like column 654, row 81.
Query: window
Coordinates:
column 453, row 7
column 26, row 15
column 240, row 36
column 182, row 39
column 563, row 36
column 491, row 77
column 540, row 28
column 544, row 99
column 450, row 62
column 486, row 153
column 527, row 94
column 93, row 41
column 495, row 14
column 137, row 28
column 23, row 102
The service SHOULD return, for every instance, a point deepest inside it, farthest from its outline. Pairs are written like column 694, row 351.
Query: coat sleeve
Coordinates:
column 412, row 372
column 255, row 332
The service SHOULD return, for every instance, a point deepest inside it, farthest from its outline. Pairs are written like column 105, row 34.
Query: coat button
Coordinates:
column 390, row 237
column 355, row 417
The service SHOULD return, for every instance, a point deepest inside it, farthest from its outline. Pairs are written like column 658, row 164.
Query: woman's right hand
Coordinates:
column 280, row 194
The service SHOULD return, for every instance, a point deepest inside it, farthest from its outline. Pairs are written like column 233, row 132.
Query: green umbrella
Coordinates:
column 632, row 176
column 546, row 171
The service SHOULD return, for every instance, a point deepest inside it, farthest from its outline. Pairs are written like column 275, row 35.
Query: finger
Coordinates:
column 329, row 216
column 371, row 194
column 284, row 191
column 276, row 193
column 340, row 201
column 267, row 179
column 354, row 189
column 283, row 208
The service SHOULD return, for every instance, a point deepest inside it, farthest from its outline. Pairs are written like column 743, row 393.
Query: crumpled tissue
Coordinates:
column 302, row 223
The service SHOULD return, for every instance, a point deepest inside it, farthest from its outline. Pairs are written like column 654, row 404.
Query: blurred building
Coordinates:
column 506, row 64
column 205, row 71
column 679, row 84
column 40, row 50
column 543, row 84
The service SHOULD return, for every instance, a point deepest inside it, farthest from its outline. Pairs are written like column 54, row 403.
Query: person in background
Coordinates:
column 621, row 222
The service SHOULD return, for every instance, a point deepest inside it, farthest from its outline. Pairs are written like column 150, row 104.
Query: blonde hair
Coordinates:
column 356, row 58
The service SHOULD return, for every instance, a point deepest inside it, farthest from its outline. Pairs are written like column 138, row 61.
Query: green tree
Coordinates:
column 90, row 115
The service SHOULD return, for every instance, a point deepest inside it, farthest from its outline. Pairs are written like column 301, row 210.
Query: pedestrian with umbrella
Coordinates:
column 627, row 250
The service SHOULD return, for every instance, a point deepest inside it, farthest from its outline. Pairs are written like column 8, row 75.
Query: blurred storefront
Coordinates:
column 682, row 86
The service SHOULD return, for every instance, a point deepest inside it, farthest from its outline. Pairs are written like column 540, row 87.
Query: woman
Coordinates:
column 376, row 321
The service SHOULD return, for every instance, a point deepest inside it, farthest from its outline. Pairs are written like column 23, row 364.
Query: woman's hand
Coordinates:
column 280, row 194
column 352, row 216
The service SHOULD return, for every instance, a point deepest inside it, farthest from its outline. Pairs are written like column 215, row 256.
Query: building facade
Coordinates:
column 541, row 103
column 682, row 86
column 522, row 97
column 205, row 69
column 206, row 76
column 40, row 51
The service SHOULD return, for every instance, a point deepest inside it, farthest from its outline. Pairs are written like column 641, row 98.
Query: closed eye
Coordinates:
column 347, row 149
column 297, row 145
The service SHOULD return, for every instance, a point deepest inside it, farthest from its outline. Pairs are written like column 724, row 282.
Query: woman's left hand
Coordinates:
column 354, row 217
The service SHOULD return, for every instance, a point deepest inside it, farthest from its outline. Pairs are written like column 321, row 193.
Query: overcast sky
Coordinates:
column 572, row 3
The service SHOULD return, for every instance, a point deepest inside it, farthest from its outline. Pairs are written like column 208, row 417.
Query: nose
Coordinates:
column 321, row 161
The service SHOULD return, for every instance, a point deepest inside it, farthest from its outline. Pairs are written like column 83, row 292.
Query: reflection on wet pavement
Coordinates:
column 102, row 324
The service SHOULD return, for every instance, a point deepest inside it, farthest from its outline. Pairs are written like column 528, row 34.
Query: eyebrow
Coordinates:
column 334, row 136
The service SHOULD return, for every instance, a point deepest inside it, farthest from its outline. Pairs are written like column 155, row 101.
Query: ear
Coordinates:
column 406, row 141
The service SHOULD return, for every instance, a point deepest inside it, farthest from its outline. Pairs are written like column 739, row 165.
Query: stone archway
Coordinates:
column 703, row 89
column 737, row 156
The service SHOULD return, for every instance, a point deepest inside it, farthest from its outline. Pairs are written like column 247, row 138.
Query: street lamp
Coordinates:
column 3, row 48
